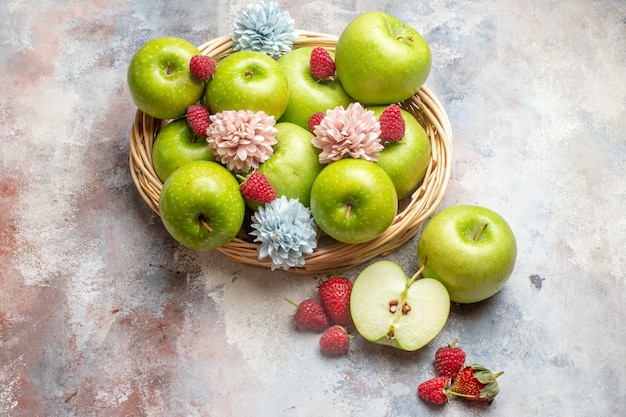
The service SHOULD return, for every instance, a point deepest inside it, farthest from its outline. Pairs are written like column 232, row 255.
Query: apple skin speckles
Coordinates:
column 201, row 205
column 248, row 80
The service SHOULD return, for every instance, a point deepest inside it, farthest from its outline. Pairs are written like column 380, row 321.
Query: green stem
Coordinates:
column 481, row 231
column 414, row 277
column 291, row 302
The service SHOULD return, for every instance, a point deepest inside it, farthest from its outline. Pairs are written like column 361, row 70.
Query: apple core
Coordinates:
column 392, row 309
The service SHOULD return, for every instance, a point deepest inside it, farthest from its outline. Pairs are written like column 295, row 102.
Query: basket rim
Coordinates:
column 333, row 256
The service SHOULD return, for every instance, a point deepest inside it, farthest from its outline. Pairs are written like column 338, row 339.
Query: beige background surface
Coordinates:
column 103, row 314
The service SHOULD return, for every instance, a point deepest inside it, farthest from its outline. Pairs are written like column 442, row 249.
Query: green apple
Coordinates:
column 175, row 145
column 159, row 80
column 248, row 80
column 380, row 59
column 306, row 95
column 389, row 308
column 470, row 249
column 294, row 165
column 406, row 160
column 353, row 200
column 201, row 205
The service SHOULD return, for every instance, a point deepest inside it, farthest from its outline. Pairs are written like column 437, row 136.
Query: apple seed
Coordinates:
column 393, row 306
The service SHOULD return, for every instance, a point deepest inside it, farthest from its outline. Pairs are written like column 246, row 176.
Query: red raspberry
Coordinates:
column 202, row 67
column 198, row 118
column 435, row 390
column 314, row 120
column 258, row 188
column 334, row 295
column 322, row 64
column 449, row 360
column 392, row 124
column 310, row 315
column 335, row 341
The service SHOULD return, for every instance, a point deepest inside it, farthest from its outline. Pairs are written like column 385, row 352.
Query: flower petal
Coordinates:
column 286, row 232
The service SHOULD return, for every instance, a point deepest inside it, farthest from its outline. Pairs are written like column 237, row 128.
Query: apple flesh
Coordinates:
column 248, row 80
column 406, row 160
column 306, row 95
column 159, row 80
column 380, row 59
column 175, row 145
column 201, row 206
column 353, row 200
column 389, row 308
column 470, row 249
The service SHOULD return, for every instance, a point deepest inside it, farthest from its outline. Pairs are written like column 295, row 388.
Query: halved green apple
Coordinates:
column 389, row 308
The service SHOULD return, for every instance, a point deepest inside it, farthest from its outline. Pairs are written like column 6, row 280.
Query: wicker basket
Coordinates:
column 330, row 255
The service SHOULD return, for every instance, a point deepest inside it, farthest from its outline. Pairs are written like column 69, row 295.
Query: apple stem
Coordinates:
column 168, row 71
column 205, row 224
column 417, row 274
column 348, row 210
column 480, row 232
column 402, row 37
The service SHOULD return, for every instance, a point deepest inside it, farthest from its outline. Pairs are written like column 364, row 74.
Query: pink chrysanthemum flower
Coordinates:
column 353, row 132
column 242, row 139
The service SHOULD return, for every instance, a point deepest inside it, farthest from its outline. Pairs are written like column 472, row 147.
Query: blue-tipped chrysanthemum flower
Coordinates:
column 265, row 28
column 286, row 232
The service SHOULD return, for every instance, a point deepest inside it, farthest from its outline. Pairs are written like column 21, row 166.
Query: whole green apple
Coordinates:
column 201, row 205
column 470, row 249
column 353, row 200
column 406, row 160
column 248, row 80
column 306, row 95
column 380, row 59
column 175, row 145
column 294, row 165
column 159, row 80
column 389, row 308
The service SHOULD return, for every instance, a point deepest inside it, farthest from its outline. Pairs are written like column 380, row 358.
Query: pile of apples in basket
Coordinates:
column 289, row 139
